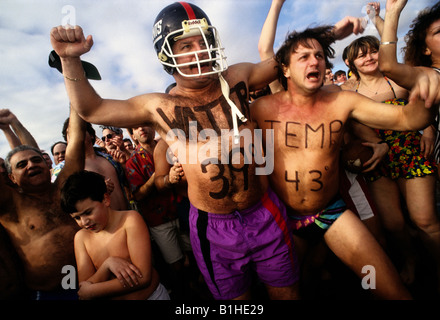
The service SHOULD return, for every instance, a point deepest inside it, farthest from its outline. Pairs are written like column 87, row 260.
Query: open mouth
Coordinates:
column 313, row 75
column 202, row 66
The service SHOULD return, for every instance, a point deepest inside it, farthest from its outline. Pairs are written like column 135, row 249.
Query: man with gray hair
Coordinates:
column 30, row 213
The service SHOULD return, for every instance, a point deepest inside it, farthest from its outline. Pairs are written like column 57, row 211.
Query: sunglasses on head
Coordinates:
column 108, row 136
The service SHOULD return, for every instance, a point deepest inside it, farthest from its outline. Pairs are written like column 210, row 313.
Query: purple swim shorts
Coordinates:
column 227, row 246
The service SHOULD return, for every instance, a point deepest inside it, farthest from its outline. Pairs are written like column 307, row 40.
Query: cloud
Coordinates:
column 123, row 52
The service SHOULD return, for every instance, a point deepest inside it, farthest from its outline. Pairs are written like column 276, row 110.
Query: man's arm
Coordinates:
column 411, row 117
column 70, row 44
column 267, row 38
column 167, row 175
column 347, row 26
column 15, row 132
column 10, row 136
column 74, row 160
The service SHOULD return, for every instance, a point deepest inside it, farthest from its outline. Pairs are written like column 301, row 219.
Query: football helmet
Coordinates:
column 181, row 20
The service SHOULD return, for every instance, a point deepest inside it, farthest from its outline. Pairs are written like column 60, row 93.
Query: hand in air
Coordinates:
column 395, row 5
column 69, row 41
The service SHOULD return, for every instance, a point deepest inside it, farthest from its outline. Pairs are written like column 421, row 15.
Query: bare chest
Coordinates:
column 297, row 131
column 220, row 172
column 104, row 245
column 207, row 114
column 35, row 216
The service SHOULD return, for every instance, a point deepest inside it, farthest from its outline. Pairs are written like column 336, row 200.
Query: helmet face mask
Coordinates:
column 173, row 24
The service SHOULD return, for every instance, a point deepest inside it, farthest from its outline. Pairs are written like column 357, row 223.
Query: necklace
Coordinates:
column 372, row 91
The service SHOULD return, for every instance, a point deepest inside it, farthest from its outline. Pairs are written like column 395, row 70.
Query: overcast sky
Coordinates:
column 123, row 51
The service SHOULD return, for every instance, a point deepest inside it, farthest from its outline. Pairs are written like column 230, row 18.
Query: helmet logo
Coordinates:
column 157, row 29
column 186, row 24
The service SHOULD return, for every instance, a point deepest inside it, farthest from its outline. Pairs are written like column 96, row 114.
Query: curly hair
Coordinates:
column 323, row 34
column 415, row 38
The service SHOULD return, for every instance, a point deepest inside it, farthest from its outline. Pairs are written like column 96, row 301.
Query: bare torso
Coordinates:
column 42, row 236
column 307, row 141
column 104, row 244
column 217, row 181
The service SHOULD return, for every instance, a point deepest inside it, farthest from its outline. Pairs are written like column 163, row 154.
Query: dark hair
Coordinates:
column 362, row 44
column 344, row 53
column 53, row 146
column 89, row 129
column 415, row 38
column 338, row 73
column 80, row 186
column 322, row 34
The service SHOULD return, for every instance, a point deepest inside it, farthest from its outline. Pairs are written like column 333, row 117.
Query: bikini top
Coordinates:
column 395, row 100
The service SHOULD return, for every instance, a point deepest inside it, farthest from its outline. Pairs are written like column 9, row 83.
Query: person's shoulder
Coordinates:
column 131, row 220
column 401, row 92
column 264, row 102
column 349, row 85
column 239, row 70
column 238, row 66
column 331, row 88
column 81, row 236
column 342, row 98
column 130, row 216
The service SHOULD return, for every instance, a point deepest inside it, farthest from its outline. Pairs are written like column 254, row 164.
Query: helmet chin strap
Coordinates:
column 236, row 113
